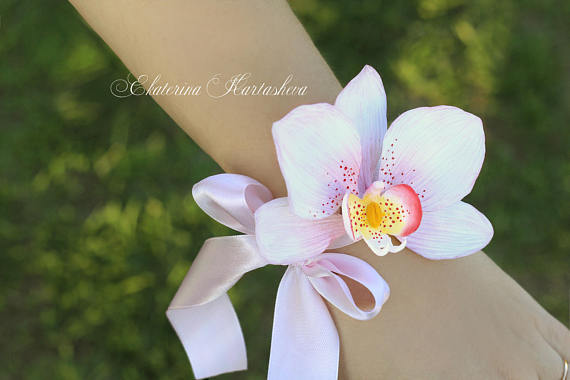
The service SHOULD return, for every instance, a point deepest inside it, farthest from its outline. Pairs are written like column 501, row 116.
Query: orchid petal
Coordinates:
column 402, row 209
column 319, row 153
column 363, row 100
column 438, row 151
column 285, row 238
column 352, row 207
column 455, row 231
column 341, row 241
column 379, row 244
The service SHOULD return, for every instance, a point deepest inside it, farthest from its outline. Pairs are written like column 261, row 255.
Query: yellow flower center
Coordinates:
column 374, row 214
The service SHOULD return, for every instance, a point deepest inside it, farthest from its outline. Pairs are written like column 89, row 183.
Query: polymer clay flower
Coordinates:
column 405, row 182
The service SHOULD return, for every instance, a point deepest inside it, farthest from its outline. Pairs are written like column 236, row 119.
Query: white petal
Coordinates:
column 342, row 241
column 318, row 150
column 438, row 151
column 363, row 100
column 455, row 231
column 285, row 238
column 380, row 244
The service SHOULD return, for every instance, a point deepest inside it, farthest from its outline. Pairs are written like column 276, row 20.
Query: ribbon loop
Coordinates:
column 325, row 275
column 231, row 199
column 305, row 342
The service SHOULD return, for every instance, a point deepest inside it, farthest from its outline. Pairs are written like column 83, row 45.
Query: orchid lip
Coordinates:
column 382, row 212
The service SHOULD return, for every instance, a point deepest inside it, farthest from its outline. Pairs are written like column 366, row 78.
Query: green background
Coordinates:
column 97, row 222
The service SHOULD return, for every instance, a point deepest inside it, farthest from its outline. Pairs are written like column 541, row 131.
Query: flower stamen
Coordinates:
column 374, row 215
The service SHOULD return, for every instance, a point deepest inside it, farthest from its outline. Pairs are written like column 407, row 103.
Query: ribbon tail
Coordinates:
column 201, row 312
column 211, row 336
column 305, row 342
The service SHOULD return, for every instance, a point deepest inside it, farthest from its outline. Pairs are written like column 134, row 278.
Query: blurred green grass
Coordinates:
column 97, row 222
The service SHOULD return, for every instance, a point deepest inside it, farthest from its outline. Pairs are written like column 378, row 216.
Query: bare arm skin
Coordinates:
column 187, row 41
column 459, row 319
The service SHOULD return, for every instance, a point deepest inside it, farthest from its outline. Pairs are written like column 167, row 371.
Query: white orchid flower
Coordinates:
column 406, row 181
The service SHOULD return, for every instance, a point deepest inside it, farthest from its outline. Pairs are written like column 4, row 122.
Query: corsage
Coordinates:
column 348, row 177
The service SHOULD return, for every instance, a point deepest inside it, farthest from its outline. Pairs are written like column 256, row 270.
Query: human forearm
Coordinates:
column 190, row 41
column 445, row 319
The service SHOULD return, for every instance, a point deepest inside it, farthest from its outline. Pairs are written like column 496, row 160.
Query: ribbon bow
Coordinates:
column 305, row 342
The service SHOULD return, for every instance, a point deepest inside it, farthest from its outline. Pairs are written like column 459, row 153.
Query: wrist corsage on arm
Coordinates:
column 348, row 178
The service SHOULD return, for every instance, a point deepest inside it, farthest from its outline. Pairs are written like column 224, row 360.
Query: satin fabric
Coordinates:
column 231, row 199
column 305, row 342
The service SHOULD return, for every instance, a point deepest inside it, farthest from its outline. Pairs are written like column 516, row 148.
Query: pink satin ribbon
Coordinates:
column 305, row 342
